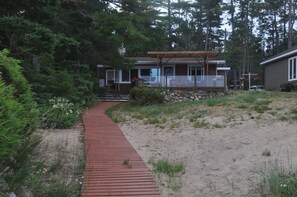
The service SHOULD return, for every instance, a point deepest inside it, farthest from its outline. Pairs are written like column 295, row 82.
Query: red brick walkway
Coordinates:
column 113, row 167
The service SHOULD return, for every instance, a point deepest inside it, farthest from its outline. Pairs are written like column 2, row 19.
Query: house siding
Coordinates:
column 276, row 73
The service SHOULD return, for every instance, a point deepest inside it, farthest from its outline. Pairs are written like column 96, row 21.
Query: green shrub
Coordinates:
column 286, row 87
column 146, row 96
column 18, row 111
column 60, row 113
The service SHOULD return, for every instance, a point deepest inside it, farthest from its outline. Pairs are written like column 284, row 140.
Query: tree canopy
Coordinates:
column 60, row 42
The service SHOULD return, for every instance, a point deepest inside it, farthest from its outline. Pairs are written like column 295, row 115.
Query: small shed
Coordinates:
column 281, row 68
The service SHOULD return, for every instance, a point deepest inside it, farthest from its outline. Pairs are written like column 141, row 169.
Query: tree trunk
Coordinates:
column 169, row 25
column 290, row 30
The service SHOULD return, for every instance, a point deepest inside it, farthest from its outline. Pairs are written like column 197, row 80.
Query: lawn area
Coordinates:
column 241, row 144
column 235, row 106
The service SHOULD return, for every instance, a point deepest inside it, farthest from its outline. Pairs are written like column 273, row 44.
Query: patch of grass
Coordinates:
column 61, row 189
column 218, row 101
column 294, row 114
column 266, row 153
column 168, row 168
column 196, row 115
column 273, row 113
column 218, row 126
column 263, row 101
column 246, row 101
column 175, row 125
column 138, row 116
column 116, row 117
column 153, row 121
column 175, row 183
column 246, row 98
column 179, row 116
column 81, row 164
column 55, row 166
column 242, row 106
column 161, row 126
column 261, row 108
column 277, row 180
column 289, row 116
column 230, row 118
column 200, row 124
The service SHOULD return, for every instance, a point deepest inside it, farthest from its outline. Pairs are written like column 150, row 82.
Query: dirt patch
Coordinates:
column 60, row 156
column 218, row 161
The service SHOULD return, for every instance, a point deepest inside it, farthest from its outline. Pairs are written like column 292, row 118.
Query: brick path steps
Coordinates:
column 113, row 167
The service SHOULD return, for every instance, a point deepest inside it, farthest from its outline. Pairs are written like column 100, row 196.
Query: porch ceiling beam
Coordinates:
column 181, row 54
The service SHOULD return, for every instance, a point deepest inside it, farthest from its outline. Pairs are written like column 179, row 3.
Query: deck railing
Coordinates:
column 210, row 81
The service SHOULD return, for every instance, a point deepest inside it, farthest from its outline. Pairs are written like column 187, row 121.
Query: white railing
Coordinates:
column 184, row 81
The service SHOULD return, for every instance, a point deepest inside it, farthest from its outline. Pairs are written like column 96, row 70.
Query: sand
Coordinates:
column 218, row 161
column 61, row 154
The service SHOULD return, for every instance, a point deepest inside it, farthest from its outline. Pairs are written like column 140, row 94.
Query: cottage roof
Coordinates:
column 284, row 54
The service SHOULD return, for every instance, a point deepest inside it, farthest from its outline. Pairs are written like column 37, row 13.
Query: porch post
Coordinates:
column 206, row 72
column 161, row 71
column 195, row 78
column 225, row 82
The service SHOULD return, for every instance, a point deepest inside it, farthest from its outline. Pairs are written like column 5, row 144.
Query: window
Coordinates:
column 149, row 75
column 292, row 69
column 125, row 76
column 112, row 76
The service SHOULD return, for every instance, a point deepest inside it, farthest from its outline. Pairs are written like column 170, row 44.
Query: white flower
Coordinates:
column 283, row 185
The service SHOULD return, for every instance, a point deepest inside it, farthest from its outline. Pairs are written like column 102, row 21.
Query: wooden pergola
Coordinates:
column 198, row 55
column 181, row 54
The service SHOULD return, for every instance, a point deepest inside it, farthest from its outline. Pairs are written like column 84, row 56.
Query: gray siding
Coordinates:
column 276, row 73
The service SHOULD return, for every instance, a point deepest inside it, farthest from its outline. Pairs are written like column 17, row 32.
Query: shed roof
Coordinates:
column 286, row 53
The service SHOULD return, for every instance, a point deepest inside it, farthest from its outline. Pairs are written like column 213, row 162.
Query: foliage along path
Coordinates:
column 113, row 167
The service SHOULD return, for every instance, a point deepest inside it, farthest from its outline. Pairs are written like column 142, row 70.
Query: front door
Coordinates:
column 196, row 72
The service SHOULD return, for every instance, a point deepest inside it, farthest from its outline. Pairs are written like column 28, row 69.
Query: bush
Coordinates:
column 286, row 87
column 18, row 111
column 146, row 96
column 60, row 113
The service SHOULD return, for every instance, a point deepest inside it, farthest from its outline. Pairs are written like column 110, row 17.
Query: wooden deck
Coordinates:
column 113, row 167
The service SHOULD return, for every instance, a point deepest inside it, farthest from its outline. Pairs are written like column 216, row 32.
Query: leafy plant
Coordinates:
column 18, row 111
column 60, row 113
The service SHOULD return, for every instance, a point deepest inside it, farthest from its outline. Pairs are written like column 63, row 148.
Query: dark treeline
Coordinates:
column 60, row 42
